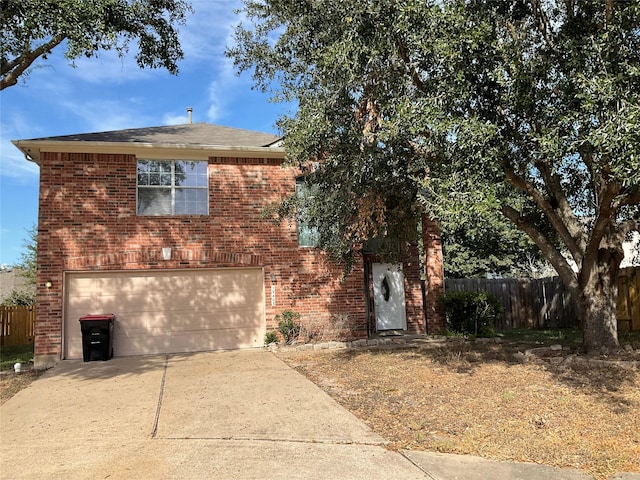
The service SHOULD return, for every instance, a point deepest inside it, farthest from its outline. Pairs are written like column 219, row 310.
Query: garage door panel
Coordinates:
column 170, row 311
column 170, row 282
column 205, row 301
column 235, row 278
column 82, row 286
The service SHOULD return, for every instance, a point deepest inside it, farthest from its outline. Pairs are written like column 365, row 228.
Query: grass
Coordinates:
column 15, row 354
column 474, row 398
column 569, row 337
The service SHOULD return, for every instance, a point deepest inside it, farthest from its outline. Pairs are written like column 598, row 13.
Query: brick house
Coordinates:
column 162, row 227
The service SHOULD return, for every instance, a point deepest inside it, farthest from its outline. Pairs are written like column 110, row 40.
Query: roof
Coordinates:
column 187, row 137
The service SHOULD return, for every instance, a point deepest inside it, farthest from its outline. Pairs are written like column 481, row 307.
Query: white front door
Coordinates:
column 388, row 296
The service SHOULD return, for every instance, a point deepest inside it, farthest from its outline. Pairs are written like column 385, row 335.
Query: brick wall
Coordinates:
column 88, row 221
column 434, row 274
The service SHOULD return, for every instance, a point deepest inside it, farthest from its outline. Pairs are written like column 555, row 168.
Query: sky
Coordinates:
column 112, row 93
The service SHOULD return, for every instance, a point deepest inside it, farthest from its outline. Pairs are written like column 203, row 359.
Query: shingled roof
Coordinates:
column 187, row 136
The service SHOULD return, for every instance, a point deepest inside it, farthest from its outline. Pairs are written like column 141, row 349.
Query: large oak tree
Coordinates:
column 31, row 29
column 527, row 107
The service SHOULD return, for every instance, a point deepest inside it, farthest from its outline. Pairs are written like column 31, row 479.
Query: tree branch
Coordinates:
column 574, row 229
column 415, row 78
column 549, row 250
column 556, row 221
column 628, row 199
column 543, row 24
column 604, row 219
column 11, row 71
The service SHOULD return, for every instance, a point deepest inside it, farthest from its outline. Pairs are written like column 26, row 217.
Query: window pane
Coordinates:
column 154, row 201
column 165, row 179
column 163, row 198
column 143, row 178
column 190, row 201
column 307, row 236
column 191, row 174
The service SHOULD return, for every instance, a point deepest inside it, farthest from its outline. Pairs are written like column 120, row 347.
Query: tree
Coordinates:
column 428, row 107
column 28, row 258
column 31, row 29
column 19, row 298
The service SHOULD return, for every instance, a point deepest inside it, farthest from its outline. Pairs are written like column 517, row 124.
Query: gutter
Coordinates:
column 32, row 149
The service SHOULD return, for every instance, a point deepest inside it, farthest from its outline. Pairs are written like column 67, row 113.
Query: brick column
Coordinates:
column 434, row 273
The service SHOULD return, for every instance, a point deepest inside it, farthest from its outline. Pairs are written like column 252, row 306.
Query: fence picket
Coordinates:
column 16, row 325
column 545, row 303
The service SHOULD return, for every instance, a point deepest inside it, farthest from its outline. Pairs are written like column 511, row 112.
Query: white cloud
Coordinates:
column 169, row 119
column 207, row 30
column 104, row 115
column 107, row 66
column 13, row 164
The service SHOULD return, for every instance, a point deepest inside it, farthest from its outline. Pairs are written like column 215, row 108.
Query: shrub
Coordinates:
column 323, row 329
column 289, row 325
column 271, row 337
column 18, row 299
column 472, row 313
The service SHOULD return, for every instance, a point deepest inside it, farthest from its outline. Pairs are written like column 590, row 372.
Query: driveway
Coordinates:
column 225, row 415
column 241, row 414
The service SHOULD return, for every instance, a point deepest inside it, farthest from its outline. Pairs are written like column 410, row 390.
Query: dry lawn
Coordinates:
column 475, row 399
column 12, row 383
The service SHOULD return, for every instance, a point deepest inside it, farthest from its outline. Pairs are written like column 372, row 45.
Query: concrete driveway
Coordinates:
column 241, row 414
column 225, row 415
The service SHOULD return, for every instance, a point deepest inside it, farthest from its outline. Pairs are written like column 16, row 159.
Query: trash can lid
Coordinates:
column 104, row 316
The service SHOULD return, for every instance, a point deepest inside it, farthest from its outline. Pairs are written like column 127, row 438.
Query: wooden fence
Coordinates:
column 545, row 303
column 16, row 325
column 629, row 299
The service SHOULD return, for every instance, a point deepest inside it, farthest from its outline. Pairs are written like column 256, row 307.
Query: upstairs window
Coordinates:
column 173, row 187
column 307, row 235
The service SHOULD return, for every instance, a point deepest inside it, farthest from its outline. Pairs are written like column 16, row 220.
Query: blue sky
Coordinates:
column 112, row 93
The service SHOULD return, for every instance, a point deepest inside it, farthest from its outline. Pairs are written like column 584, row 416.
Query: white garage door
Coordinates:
column 168, row 311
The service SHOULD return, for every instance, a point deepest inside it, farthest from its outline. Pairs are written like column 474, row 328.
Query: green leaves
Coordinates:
column 32, row 28
column 523, row 107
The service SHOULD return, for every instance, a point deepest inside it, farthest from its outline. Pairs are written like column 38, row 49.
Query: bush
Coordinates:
column 289, row 325
column 271, row 337
column 472, row 313
column 19, row 299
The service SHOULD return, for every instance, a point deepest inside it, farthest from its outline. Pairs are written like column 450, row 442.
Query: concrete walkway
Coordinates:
column 226, row 415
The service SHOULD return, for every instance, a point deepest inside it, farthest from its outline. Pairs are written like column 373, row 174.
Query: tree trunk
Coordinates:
column 597, row 305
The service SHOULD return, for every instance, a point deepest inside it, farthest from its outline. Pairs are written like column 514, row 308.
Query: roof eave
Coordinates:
column 32, row 149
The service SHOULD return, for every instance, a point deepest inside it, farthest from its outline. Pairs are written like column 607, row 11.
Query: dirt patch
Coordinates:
column 477, row 399
column 12, row 383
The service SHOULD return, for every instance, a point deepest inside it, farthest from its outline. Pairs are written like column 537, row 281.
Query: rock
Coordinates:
column 556, row 360
column 628, row 348
column 497, row 340
column 556, row 347
column 521, row 357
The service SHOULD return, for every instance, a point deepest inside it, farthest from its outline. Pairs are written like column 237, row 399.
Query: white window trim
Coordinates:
column 171, row 187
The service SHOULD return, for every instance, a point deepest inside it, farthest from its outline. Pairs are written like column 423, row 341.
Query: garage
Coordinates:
column 172, row 311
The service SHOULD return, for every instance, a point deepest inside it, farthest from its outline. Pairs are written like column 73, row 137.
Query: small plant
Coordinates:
column 289, row 325
column 15, row 354
column 472, row 313
column 271, row 337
